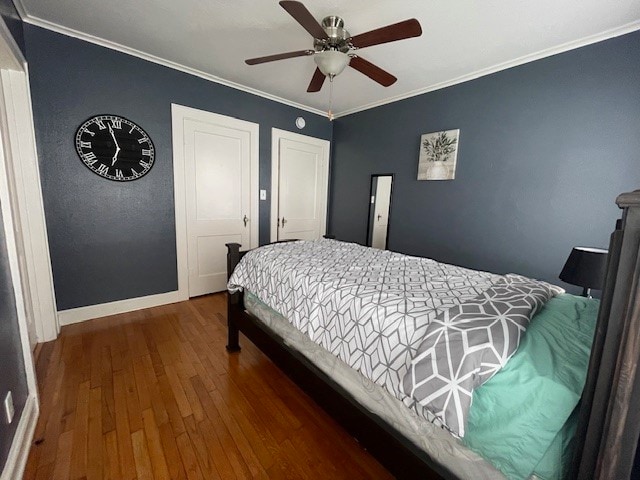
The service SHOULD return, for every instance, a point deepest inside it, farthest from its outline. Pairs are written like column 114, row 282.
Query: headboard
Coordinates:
column 609, row 423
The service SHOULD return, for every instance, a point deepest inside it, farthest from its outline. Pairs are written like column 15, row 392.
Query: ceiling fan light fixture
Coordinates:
column 331, row 62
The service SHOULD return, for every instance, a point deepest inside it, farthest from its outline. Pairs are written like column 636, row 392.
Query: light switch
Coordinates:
column 263, row 194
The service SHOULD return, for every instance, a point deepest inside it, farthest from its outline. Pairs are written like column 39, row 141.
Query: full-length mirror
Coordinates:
column 379, row 208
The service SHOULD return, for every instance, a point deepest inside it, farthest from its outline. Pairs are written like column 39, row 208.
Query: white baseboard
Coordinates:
column 80, row 314
column 19, row 452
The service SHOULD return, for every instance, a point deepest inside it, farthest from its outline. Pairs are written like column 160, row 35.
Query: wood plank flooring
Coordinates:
column 154, row 395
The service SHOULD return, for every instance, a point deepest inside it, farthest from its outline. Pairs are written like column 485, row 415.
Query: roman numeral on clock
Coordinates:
column 90, row 158
column 116, row 123
column 103, row 169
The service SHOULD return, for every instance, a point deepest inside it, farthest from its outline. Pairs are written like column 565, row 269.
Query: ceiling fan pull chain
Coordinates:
column 330, row 113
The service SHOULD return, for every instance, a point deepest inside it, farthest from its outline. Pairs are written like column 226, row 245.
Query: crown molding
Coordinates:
column 20, row 9
column 54, row 27
column 599, row 37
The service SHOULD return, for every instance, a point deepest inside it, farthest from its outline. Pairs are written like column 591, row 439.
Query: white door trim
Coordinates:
column 11, row 56
column 10, row 223
column 11, row 59
column 179, row 114
column 23, row 161
column 19, row 451
column 276, row 135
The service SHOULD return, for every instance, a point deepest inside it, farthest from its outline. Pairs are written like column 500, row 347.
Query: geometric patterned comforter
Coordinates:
column 468, row 344
column 369, row 307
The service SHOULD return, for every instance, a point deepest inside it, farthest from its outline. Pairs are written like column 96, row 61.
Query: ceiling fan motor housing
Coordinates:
column 338, row 36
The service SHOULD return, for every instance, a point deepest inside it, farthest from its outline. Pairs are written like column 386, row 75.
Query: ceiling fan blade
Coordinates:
column 316, row 81
column 278, row 56
column 398, row 31
column 372, row 71
column 300, row 13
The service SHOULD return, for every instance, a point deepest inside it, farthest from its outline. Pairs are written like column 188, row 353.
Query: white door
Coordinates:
column 10, row 203
column 381, row 212
column 299, row 186
column 221, row 201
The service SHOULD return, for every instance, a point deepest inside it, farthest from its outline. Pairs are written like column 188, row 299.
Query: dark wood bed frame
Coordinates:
column 609, row 422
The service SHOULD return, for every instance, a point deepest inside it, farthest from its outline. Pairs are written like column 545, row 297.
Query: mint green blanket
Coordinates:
column 516, row 420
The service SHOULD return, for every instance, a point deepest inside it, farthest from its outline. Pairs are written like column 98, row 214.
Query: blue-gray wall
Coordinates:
column 544, row 150
column 12, row 374
column 108, row 240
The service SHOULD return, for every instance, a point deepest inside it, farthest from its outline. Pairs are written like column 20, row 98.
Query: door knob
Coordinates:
column 379, row 217
column 245, row 220
column 283, row 221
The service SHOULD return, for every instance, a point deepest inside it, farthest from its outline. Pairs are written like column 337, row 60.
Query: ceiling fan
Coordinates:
column 333, row 46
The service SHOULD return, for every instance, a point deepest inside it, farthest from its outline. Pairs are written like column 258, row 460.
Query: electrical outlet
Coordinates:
column 8, row 407
column 263, row 194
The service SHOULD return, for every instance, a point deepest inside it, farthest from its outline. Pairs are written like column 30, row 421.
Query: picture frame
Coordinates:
column 438, row 155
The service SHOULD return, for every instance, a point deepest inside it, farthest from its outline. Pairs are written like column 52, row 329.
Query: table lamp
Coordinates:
column 585, row 268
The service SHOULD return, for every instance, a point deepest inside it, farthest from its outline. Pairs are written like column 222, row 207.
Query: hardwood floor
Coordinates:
column 154, row 394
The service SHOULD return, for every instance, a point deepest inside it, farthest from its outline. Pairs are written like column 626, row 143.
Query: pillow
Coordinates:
column 518, row 417
column 467, row 344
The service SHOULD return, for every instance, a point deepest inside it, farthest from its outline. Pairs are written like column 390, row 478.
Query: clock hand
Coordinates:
column 115, row 155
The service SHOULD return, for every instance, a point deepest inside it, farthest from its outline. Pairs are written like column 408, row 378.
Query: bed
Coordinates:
column 408, row 435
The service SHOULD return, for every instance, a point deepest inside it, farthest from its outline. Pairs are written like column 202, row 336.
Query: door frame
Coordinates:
column 180, row 113
column 24, row 178
column 276, row 136
column 24, row 222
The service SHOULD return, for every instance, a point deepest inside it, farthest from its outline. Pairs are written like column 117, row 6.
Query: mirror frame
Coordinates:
column 372, row 193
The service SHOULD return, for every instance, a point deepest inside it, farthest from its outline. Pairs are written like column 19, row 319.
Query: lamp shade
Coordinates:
column 331, row 62
column 585, row 267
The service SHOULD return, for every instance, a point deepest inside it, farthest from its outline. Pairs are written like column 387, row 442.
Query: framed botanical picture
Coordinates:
column 438, row 155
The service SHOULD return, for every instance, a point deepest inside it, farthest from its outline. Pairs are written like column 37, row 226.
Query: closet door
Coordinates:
column 218, row 196
column 300, row 175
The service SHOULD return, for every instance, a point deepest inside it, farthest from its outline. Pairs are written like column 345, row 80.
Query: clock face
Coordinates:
column 115, row 148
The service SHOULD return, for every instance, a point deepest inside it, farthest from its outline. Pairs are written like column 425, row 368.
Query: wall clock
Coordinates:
column 115, row 148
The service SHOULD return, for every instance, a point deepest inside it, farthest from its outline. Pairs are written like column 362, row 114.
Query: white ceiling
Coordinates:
column 461, row 39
